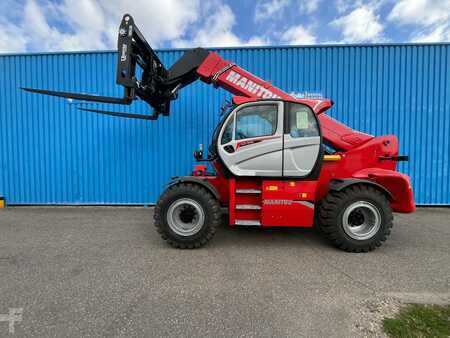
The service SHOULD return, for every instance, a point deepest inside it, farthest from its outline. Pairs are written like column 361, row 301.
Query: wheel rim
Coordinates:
column 185, row 217
column 361, row 220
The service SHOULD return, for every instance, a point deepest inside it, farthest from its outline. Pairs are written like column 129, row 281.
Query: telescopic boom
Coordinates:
column 158, row 85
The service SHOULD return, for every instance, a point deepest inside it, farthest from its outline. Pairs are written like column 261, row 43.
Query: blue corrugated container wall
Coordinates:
column 51, row 153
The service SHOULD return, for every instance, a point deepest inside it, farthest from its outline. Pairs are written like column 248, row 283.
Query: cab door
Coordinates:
column 251, row 140
column 302, row 142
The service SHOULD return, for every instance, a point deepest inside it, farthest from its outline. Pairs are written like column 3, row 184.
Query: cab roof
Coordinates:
column 318, row 106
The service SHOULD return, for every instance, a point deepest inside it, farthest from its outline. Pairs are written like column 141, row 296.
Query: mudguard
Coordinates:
column 396, row 184
column 196, row 180
column 340, row 184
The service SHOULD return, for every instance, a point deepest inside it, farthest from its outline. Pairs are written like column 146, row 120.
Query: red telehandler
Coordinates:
column 278, row 160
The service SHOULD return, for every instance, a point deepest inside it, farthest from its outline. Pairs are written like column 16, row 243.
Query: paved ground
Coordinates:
column 105, row 271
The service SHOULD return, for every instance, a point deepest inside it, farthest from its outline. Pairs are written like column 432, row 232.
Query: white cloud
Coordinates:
column 438, row 34
column 360, row 25
column 11, row 39
column 216, row 31
column 91, row 24
column 257, row 41
column 420, row 12
column 298, row 35
column 429, row 19
column 308, row 6
column 343, row 6
column 269, row 9
column 275, row 9
column 42, row 36
column 158, row 20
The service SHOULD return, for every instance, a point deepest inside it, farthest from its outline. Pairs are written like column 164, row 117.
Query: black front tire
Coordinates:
column 331, row 216
column 210, row 209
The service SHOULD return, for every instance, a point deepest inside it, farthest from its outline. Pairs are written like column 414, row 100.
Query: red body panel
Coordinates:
column 288, row 203
column 364, row 162
column 396, row 183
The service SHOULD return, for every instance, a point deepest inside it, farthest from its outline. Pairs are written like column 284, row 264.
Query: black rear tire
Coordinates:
column 340, row 225
column 204, row 203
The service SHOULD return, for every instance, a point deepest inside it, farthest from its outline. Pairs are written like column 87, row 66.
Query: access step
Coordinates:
column 248, row 191
column 247, row 222
column 247, row 207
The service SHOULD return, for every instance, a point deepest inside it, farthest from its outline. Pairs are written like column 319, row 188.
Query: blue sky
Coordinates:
column 64, row 25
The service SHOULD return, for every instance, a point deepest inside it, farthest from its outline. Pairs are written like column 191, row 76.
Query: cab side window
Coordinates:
column 302, row 122
column 255, row 121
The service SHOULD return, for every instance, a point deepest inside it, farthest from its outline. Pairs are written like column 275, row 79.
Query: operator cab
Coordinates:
column 270, row 138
